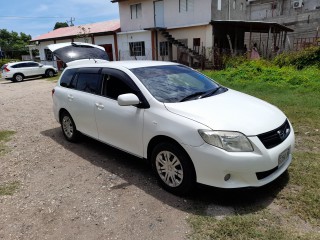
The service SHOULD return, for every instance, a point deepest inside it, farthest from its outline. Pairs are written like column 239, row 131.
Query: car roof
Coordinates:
column 127, row 64
column 11, row 63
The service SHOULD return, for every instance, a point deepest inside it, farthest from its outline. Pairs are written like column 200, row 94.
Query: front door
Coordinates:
column 119, row 126
column 158, row 14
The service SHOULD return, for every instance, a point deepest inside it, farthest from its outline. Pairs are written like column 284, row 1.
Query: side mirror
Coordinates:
column 40, row 65
column 128, row 99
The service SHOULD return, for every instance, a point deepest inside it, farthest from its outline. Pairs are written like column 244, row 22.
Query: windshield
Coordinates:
column 175, row 83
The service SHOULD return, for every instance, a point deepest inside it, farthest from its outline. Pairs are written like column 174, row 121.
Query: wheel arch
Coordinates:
column 160, row 139
column 62, row 110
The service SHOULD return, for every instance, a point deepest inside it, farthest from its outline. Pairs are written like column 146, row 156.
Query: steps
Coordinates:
column 192, row 53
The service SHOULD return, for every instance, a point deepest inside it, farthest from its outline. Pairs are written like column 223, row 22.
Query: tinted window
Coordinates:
column 67, row 77
column 19, row 65
column 89, row 82
column 115, row 86
column 33, row 65
column 173, row 83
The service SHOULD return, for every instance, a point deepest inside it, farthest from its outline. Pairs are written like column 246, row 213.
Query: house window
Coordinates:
column 186, row 5
column 241, row 7
column 48, row 54
column 137, row 49
column 136, row 11
column 196, row 44
column 164, row 49
column 234, row 4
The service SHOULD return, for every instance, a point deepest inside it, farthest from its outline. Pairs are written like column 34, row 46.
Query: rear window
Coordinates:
column 89, row 82
column 66, row 78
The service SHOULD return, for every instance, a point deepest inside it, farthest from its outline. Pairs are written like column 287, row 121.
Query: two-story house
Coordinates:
column 175, row 30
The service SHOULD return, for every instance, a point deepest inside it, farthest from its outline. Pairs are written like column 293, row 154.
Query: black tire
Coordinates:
column 68, row 127
column 173, row 168
column 18, row 77
column 49, row 73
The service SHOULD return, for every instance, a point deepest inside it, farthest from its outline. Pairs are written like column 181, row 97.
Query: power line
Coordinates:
column 27, row 17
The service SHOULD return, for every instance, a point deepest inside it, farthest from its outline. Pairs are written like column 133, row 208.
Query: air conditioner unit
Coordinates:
column 298, row 4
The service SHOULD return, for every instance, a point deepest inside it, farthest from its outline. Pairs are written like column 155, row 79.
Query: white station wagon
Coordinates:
column 189, row 127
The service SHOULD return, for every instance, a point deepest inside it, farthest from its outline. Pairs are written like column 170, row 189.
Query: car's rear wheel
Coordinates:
column 18, row 77
column 173, row 168
column 49, row 73
column 68, row 127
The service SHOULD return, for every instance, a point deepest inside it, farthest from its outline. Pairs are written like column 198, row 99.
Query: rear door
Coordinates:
column 80, row 97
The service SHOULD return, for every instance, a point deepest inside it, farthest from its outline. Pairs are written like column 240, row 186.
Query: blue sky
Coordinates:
column 36, row 17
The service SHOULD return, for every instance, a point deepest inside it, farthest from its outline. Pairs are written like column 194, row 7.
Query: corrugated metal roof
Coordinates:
column 94, row 28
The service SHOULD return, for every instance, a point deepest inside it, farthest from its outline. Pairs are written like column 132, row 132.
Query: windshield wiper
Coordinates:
column 193, row 95
column 201, row 94
column 211, row 92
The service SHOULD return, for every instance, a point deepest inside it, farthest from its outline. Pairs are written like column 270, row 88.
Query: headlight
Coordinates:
column 229, row 141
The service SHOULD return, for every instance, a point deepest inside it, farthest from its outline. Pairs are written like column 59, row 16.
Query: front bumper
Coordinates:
column 213, row 164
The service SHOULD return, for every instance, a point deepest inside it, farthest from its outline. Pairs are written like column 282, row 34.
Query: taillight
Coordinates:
column 52, row 92
column 6, row 69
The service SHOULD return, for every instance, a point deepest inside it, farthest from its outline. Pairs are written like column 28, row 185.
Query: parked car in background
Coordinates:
column 18, row 71
column 188, row 126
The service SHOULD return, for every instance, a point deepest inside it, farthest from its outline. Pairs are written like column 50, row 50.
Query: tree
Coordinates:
column 13, row 44
column 60, row 25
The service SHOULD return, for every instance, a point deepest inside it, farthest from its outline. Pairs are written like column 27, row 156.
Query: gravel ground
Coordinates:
column 75, row 191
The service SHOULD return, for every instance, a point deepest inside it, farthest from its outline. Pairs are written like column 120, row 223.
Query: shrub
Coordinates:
column 300, row 59
column 4, row 61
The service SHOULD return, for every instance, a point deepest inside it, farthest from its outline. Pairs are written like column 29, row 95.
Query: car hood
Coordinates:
column 231, row 111
column 70, row 52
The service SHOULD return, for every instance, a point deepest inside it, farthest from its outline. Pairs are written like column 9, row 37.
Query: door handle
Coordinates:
column 70, row 97
column 99, row 106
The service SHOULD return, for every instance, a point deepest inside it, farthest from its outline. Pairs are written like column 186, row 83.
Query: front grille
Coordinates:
column 276, row 136
column 262, row 175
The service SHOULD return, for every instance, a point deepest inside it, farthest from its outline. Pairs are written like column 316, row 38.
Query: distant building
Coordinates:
column 102, row 33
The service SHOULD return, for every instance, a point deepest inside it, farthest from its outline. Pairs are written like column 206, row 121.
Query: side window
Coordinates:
column 115, row 86
column 17, row 65
column 89, row 82
column 33, row 65
column 116, row 82
column 67, row 78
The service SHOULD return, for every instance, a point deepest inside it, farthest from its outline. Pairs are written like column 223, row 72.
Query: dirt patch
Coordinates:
column 75, row 191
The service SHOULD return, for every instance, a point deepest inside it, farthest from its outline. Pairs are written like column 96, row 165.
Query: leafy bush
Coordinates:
column 300, row 59
column 4, row 61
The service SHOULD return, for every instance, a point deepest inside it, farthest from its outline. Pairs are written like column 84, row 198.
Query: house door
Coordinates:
column 182, row 55
column 108, row 48
column 158, row 14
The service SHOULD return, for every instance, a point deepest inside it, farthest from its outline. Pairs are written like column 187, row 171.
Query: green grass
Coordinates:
column 55, row 78
column 9, row 188
column 298, row 217
column 4, row 137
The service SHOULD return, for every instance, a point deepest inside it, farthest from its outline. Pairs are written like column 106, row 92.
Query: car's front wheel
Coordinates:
column 17, row 77
column 49, row 73
column 173, row 168
column 68, row 127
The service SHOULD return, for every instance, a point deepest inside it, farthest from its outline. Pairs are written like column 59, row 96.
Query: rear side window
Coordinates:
column 19, row 65
column 89, row 82
column 67, row 77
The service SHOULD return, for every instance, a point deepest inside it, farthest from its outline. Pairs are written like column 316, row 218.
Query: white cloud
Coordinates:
column 41, row 8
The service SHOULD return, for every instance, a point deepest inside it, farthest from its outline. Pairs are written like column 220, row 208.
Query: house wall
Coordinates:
column 199, row 13
column 146, row 21
column 303, row 20
column 125, row 38
column 229, row 10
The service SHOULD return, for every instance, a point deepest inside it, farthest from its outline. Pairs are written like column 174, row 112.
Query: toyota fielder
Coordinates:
column 188, row 126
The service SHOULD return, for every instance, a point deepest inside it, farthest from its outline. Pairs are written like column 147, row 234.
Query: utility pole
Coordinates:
column 71, row 21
